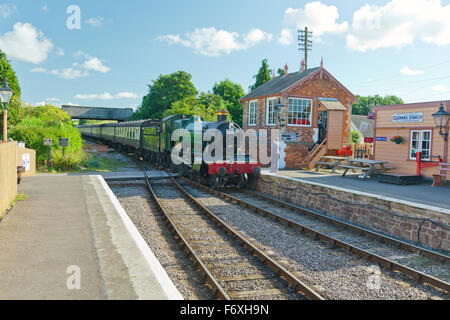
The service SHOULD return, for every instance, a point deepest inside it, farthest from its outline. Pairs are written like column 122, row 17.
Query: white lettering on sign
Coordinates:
column 407, row 117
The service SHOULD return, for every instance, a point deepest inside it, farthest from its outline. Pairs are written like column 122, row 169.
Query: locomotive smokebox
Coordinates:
column 222, row 115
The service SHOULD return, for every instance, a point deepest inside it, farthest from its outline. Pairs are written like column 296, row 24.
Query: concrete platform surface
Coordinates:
column 71, row 239
column 420, row 194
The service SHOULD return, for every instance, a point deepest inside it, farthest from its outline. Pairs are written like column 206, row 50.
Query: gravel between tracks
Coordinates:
column 137, row 204
column 335, row 273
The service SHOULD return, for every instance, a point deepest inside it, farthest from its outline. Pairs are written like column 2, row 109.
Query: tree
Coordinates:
column 231, row 92
column 205, row 106
column 7, row 72
column 164, row 91
column 280, row 72
column 364, row 105
column 15, row 109
column 263, row 75
column 355, row 137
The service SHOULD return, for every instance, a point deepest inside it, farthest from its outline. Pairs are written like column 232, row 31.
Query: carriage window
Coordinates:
column 420, row 142
column 299, row 112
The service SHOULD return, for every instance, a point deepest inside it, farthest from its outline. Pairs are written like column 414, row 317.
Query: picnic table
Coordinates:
column 330, row 161
column 368, row 167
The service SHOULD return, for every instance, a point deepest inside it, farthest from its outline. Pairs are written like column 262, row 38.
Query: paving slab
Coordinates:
column 71, row 239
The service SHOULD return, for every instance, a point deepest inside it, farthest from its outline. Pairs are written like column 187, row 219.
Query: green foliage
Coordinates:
column 364, row 104
column 205, row 106
column 263, row 75
column 49, row 122
column 280, row 72
column 355, row 137
column 231, row 92
column 164, row 91
column 90, row 122
column 7, row 72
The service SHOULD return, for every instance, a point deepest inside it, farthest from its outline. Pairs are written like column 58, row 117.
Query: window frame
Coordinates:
column 420, row 143
column 310, row 114
column 250, row 113
column 274, row 111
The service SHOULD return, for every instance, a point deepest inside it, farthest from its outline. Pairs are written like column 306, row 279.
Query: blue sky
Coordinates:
column 386, row 47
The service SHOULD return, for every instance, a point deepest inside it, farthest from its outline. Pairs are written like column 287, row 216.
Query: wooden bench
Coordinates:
column 348, row 167
column 318, row 164
column 438, row 179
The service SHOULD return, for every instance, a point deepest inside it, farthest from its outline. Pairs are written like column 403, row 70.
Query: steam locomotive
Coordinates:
column 152, row 141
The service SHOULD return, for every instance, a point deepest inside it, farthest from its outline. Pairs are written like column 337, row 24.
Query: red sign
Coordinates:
column 368, row 140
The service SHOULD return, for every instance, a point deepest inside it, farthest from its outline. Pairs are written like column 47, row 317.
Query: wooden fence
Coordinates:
column 8, row 174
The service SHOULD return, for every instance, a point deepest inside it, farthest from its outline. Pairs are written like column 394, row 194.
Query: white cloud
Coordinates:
column 440, row 88
column 70, row 73
column 213, row 42
column 39, row 70
column 7, row 10
column 60, row 52
column 95, row 64
column 95, row 21
column 107, row 96
column 286, row 38
column 25, row 43
column 318, row 17
column 409, row 72
column 399, row 23
column 91, row 63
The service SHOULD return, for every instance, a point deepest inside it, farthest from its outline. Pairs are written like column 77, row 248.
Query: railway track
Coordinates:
column 233, row 267
column 222, row 285
column 335, row 233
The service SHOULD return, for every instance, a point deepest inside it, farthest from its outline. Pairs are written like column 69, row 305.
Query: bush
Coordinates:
column 41, row 123
column 355, row 137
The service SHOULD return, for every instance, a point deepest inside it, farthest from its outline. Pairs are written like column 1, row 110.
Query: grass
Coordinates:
column 19, row 197
column 93, row 162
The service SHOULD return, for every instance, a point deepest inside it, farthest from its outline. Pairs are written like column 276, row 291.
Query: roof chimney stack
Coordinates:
column 286, row 68
column 303, row 66
column 321, row 63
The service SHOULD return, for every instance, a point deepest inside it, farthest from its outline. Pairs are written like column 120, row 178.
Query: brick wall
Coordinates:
column 344, row 205
column 313, row 89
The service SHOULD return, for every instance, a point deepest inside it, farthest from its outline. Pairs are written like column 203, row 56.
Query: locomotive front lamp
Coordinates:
column 5, row 97
column 441, row 119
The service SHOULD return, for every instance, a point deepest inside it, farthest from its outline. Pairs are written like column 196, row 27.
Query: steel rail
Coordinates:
column 272, row 264
column 218, row 290
column 389, row 264
column 277, row 268
column 385, row 238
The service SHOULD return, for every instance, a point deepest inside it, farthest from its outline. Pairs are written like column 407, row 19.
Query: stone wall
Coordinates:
column 393, row 218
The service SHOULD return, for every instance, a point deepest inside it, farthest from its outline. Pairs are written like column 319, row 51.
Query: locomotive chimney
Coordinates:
column 222, row 115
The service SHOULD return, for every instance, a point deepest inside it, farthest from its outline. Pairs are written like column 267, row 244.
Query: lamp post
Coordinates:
column 5, row 96
column 441, row 119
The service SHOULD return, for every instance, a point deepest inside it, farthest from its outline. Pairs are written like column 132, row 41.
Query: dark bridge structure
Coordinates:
column 97, row 113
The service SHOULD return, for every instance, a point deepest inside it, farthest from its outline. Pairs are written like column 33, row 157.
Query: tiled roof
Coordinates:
column 278, row 84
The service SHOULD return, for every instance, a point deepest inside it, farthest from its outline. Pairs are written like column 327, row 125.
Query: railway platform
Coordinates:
column 71, row 239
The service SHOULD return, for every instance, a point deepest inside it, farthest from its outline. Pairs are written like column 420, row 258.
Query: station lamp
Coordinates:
column 5, row 97
column 280, row 110
column 441, row 119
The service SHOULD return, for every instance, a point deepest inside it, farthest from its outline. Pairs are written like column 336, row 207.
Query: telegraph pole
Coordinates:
column 305, row 42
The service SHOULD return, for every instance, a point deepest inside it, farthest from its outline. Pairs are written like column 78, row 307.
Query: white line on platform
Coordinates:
column 166, row 283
